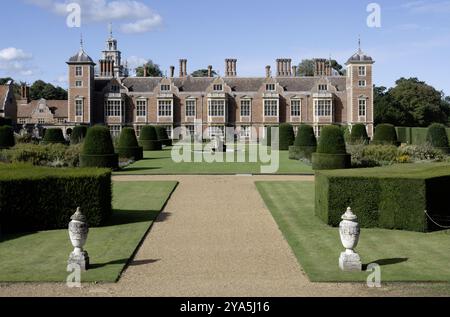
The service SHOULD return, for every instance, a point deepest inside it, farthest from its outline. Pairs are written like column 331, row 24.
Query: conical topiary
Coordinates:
column 305, row 143
column 53, row 136
column 98, row 149
column 128, row 145
column 287, row 136
column 385, row 134
column 161, row 132
column 331, row 151
column 6, row 137
column 437, row 137
column 78, row 134
column 359, row 134
column 149, row 139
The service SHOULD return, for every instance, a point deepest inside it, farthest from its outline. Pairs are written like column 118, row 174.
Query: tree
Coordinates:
column 41, row 89
column 306, row 67
column 410, row 103
column 153, row 70
column 203, row 73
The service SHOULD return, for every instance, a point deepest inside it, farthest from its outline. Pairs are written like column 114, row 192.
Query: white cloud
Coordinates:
column 13, row 61
column 13, row 54
column 134, row 16
column 428, row 6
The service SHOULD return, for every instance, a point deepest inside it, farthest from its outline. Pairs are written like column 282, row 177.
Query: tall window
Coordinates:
column 245, row 108
column 190, row 108
column 165, row 87
column 362, row 70
column 270, row 87
column 141, row 108
column 216, row 130
column 362, row 107
column 169, row 131
column 114, row 130
column 270, row 108
column 113, row 108
column 295, row 108
column 190, row 130
column 323, row 108
column 79, row 71
column 216, row 108
column 164, row 108
column 245, row 131
column 78, row 107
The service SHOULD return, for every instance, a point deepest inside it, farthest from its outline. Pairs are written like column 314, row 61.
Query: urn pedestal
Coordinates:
column 78, row 232
column 349, row 231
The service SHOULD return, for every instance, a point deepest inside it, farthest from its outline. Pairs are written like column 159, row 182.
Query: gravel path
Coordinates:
column 214, row 238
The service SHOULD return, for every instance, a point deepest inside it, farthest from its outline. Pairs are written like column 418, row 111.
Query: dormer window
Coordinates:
column 323, row 87
column 362, row 70
column 270, row 87
column 218, row 87
column 115, row 89
column 165, row 87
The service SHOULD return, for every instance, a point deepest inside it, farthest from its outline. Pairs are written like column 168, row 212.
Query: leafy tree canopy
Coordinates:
column 203, row 73
column 306, row 67
column 153, row 70
column 40, row 89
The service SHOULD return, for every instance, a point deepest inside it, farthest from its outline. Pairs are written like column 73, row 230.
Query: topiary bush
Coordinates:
column 98, row 149
column 40, row 198
column 78, row 134
column 305, row 143
column 161, row 132
column 149, row 139
column 287, row 136
column 359, row 134
column 385, row 134
column 331, row 150
column 6, row 137
column 128, row 145
column 53, row 136
column 437, row 137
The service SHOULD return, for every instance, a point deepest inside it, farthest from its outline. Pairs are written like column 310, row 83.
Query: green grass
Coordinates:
column 42, row 256
column 160, row 162
column 403, row 256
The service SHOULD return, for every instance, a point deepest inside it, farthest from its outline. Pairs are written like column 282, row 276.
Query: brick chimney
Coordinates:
column 210, row 70
column 294, row 71
column 172, row 71
column 284, row 67
column 145, row 70
column 183, row 68
column 230, row 67
column 268, row 71
column 25, row 92
column 322, row 67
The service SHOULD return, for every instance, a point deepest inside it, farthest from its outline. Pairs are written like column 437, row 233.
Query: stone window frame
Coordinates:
column 79, row 84
column 247, row 129
column 113, row 108
column 299, row 111
column 362, row 83
column 266, row 107
column 141, row 113
column 218, row 87
column 77, row 112
column 323, row 87
column 248, row 104
column 165, row 87
column 271, row 87
column 325, row 110
column 362, row 108
column 362, row 71
column 78, row 71
column 165, row 112
column 217, row 110
column 190, row 110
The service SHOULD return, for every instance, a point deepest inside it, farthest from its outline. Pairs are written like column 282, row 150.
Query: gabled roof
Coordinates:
column 59, row 108
column 4, row 90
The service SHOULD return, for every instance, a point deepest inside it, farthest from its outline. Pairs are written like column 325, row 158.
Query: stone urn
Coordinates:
column 78, row 233
column 349, row 231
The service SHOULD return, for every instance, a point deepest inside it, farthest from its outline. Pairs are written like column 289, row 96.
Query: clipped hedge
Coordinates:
column 6, row 137
column 40, row 198
column 331, row 151
column 54, row 136
column 162, row 135
column 98, row 149
column 149, row 139
column 6, row 121
column 437, row 137
column 392, row 197
column 128, row 145
column 305, row 144
column 287, row 136
column 78, row 134
column 385, row 134
column 359, row 134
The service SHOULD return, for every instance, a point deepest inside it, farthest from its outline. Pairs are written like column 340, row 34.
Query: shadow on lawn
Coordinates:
column 122, row 217
column 94, row 266
column 384, row 262
column 137, row 169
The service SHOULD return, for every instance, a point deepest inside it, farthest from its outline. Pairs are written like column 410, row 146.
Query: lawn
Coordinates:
column 160, row 162
column 403, row 256
column 42, row 256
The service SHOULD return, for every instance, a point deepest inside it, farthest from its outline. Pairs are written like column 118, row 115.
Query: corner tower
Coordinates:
column 360, row 90
column 81, row 88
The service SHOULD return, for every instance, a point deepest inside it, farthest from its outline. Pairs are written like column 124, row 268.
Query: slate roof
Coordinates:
column 58, row 107
column 360, row 56
column 81, row 57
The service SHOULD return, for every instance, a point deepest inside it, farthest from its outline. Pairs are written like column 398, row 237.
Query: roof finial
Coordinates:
column 110, row 30
column 81, row 41
column 359, row 43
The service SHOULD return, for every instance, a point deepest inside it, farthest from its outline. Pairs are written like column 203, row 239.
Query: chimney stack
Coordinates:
column 284, row 67
column 145, row 70
column 267, row 71
column 210, row 71
column 172, row 71
column 288, row 67
column 294, row 71
column 183, row 68
column 230, row 67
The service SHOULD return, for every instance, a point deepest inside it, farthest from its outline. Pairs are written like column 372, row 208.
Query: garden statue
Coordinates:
column 24, row 130
column 36, row 134
column 349, row 231
column 78, row 232
column 218, row 144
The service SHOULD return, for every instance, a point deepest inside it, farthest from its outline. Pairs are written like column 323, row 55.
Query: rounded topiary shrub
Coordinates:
column 98, row 149
column 305, row 143
column 331, row 151
column 53, row 136
column 359, row 134
column 287, row 136
column 128, row 145
column 149, row 139
column 385, row 134
column 78, row 134
column 437, row 137
column 6, row 137
column 161, row 132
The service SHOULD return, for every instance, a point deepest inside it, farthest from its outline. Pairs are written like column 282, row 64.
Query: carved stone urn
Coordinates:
column 78, row 233
column 349, row 231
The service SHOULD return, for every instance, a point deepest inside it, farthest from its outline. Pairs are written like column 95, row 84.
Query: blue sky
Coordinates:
column 413, row 40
